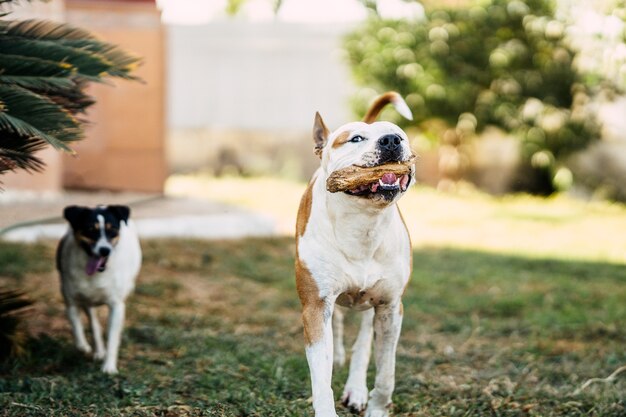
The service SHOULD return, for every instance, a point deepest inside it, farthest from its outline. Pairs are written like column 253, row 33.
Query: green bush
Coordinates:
column 491, row 63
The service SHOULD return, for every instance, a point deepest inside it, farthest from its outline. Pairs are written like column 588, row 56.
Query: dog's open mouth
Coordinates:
column 96, row 263
column 387, row 186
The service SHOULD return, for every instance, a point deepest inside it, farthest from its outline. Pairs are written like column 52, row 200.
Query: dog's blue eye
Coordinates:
column 357, row 138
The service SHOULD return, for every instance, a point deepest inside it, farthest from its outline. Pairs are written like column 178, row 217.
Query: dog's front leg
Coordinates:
column 114, row 335
column 96, row 332
column 387, row 323
column 355, row 391
column 73, row 315
column 318, row 335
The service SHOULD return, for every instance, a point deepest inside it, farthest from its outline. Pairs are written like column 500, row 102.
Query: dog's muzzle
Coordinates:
column 98, row 262
column 390, row 148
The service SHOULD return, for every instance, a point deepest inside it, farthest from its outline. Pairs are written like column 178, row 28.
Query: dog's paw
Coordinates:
column 84, row 348
column 110, row 369
column 377, row 413
column 355, row 398
column 99, row 355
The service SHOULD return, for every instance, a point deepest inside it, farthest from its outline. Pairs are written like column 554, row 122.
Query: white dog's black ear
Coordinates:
column 122, row 213
column 76, row 215
column 320, row 134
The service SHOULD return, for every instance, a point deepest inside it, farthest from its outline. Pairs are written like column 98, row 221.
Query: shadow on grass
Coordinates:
column 214, row 330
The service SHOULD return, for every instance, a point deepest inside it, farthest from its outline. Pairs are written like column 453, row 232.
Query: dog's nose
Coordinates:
column 389, row 142
column 104, row 251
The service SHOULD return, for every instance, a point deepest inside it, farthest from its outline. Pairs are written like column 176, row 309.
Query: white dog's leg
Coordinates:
column 355, row 391
column 339, row 350
column 114, row 335
column 387, row 323
column 319, row 354
column 73, row 315
column 96, row 331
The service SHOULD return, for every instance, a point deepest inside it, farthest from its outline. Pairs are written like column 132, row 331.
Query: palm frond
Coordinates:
column 39, row 84
column 17, row 152
column 44, row 69
column 33, row 66
column 31, row 115
column 122, row 63
column 13, row 305
column 43, row 29
column 55, row 80
column 116, row 61
column 74, row 100
column 85, row 64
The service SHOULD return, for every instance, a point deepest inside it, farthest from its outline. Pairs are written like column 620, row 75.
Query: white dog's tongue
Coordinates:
column 93, row 263
column 389, row 178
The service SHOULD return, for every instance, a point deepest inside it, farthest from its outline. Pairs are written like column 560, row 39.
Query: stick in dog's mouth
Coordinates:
column 388, row 182
column 360, row 181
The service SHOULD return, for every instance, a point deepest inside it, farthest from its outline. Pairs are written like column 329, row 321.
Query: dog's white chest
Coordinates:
column 98, row 289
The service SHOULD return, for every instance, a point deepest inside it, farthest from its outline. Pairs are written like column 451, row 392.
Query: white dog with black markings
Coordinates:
column 98, row 260
column 353, row 250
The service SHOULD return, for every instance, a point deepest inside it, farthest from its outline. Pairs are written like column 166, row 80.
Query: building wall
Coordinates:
column 125, row 147
column 256, row 75
column 243, row 94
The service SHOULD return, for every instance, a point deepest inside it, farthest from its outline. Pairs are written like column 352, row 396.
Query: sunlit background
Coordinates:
column 517, row 220
column 508, row 97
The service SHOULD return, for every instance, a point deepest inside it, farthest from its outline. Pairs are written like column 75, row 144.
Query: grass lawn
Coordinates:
column 214, row 328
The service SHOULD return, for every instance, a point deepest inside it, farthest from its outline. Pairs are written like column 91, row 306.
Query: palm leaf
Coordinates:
column 44, row 69
column 33, row 66
column 31, row 115
column 40, row 84
column 85, row 63
column 44, row 29
column 74, row 100
column 13, row 338
column 55, row 80
column 17, row 152
column 118, row 62
column 121, row 62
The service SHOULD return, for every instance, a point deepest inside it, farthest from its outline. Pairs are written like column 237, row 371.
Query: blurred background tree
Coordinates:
column 502, row 63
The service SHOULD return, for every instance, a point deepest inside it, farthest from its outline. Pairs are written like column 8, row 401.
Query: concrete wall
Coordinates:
column 247, row 75
column 245, row 94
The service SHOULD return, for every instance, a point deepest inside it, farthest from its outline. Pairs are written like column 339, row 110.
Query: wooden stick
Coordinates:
column 355, row 176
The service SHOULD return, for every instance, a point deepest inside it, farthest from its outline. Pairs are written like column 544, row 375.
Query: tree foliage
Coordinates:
column 44, row 69
column 503, row 63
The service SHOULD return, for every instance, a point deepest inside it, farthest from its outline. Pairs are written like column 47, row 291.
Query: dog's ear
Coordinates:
column 120, row 212
column 320, row 134
column 76, row 215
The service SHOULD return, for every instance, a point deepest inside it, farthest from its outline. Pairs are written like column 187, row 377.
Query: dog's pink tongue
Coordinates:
column 389, row 178
column 93, row 263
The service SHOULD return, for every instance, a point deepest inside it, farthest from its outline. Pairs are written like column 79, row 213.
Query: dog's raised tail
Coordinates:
column 384, row 99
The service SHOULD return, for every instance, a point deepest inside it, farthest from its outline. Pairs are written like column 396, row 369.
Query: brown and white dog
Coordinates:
column 353, row 250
